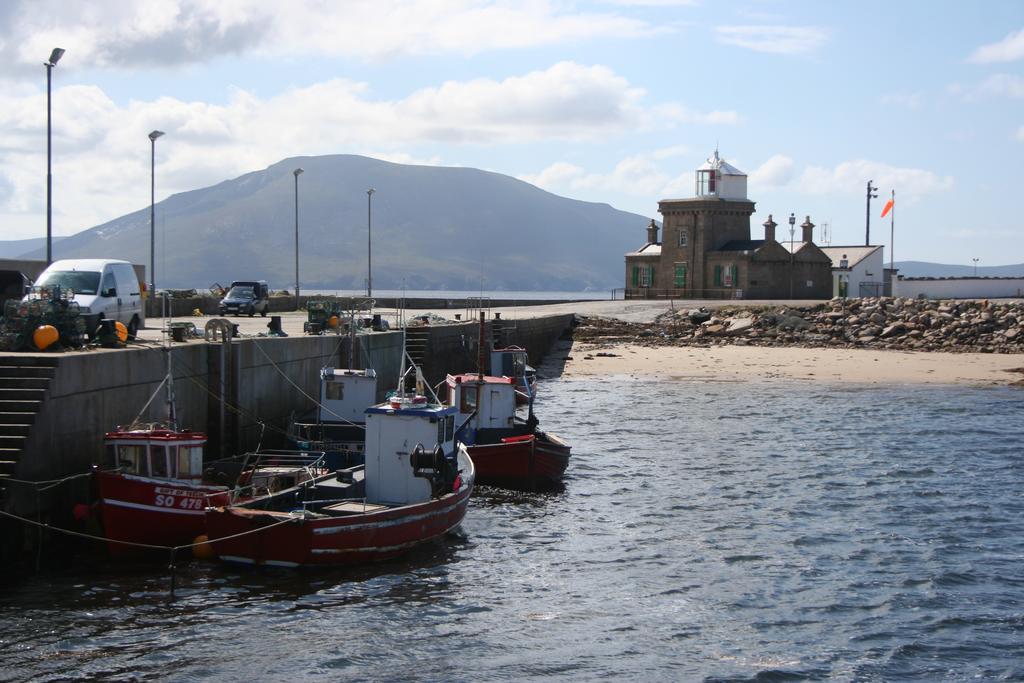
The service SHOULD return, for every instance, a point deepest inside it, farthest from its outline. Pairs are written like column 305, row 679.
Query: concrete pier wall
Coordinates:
column 242, row 394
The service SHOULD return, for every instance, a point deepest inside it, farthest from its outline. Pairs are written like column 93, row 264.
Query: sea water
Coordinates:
column 707, row 531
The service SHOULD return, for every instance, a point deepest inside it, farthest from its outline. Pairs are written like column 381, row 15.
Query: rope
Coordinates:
column 299, row 389
column 51, row 483
column 151, row 397
column 148, row 546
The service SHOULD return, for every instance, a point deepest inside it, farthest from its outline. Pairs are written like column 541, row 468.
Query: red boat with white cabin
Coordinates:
column 507, row 450
column 413, row 488
column 156, row 486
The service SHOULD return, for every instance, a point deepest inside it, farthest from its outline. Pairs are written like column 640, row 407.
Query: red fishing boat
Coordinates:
column 154, row 493
column 507, row 450
column 405, row 494
column 155, row 484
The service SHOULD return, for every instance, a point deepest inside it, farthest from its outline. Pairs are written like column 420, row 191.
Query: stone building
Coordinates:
column 707, row 252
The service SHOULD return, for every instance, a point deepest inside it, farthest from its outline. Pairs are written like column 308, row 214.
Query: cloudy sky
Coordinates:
column 614, row 101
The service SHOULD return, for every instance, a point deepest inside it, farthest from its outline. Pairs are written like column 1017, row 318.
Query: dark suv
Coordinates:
column 246, row 298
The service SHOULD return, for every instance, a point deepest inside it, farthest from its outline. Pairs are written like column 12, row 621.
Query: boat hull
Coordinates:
column 532, row 463
column 139, row 510
column 264, row 537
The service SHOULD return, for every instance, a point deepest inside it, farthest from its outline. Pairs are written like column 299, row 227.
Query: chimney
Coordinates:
column 769, row 229
column 808, row 227
column 652, row 232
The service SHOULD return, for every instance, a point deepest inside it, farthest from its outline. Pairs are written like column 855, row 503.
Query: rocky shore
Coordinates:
column 873, row 323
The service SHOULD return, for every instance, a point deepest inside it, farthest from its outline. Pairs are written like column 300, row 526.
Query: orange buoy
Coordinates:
column 122, row 331
column 203, row 551
column 45, row 336
column 333, row 322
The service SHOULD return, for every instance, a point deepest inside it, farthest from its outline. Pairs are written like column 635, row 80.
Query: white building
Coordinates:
column 857, row 271
column 959, row 287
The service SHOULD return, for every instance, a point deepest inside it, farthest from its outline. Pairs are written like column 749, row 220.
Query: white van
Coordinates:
column 103, row 288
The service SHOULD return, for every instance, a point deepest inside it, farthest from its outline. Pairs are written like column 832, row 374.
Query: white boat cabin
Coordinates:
column 393, row 431
column 483, row 402
column 157, row 453
column 345, row 394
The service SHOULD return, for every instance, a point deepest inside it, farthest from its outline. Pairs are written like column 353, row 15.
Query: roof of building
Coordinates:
column 649, row 249
column 853, row 254
column 793, row 247
column 719, row 164
column 742, row 245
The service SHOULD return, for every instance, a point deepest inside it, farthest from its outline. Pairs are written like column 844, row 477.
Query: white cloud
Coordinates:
column 105, row 33
column 635, row 175
column 852, row 176
column 654, row 3
column 996, row 85
column 670, row 152
column 1005, row 85
column 1020, row 134
column 558, row 175
column 784, row 40
column 777, row 171
column 1009, row 49
column 101, row 154
column 684, row 115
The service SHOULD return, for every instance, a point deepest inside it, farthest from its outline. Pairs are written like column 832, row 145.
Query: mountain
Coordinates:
column 925, row 269
column 13, row 249
column 433, row 228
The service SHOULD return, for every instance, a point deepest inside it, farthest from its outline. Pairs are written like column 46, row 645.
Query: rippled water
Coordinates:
column 708, row 531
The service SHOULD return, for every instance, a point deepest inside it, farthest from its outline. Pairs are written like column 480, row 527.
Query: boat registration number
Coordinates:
column 183, row 503
column 184, row 500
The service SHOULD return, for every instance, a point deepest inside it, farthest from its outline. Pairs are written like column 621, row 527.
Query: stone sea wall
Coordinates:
column 878, row 323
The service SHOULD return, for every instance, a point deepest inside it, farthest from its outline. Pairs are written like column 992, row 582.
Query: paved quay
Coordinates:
column 632, row 310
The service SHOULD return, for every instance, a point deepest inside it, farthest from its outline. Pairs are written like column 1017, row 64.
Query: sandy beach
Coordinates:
column 756, row 363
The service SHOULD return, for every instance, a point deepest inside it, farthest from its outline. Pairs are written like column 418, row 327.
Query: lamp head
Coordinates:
column 298, row 172
column 55, row 56
column 155, row 134
column 370, row 191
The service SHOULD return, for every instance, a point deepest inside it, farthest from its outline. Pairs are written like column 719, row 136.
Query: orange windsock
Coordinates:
column 888, row 208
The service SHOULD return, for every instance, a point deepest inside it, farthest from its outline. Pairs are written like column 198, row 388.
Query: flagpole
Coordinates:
column 892, row 236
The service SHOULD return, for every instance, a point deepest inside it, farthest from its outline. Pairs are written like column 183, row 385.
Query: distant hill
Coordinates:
column 433, row 228
column 924, row 269
column 13, row 249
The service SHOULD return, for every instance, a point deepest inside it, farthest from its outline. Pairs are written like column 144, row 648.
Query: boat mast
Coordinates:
column 172, row 413
column 351, row 332
column 480, row 351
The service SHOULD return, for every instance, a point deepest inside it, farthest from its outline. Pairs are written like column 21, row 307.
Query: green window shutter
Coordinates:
column 735, row 275
column 636, row 276
column 718, row 276
column 680, row 275
column 650, row 277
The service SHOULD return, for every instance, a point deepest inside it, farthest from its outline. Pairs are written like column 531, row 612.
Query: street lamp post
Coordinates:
column 369, row 262
column 867, row 220
column 297, row 173
column 152, row 210
column 975, row 267
column 54, row 58
column 792, row 227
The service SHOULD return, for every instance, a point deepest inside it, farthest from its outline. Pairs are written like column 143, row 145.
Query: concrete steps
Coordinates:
column 24, row 383
column 416, row 345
